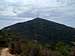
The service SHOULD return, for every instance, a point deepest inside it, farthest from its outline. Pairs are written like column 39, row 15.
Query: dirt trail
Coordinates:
column 5, row 52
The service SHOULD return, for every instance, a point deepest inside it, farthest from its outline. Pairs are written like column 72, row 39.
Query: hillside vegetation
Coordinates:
column 39, row 37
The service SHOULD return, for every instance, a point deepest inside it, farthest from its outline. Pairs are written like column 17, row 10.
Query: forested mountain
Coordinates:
column 41, row 30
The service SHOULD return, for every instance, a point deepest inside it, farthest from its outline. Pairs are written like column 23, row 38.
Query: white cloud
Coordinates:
column 14, row 7
column 57, row 10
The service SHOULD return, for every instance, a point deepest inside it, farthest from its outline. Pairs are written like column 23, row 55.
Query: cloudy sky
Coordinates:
column 13, row 11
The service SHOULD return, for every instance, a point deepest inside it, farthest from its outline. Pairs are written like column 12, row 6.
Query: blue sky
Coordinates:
column 14, row 11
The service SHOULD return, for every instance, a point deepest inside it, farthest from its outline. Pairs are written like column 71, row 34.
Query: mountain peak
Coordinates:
column 40, row 20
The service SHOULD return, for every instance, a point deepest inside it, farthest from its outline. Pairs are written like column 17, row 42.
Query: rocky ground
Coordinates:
column 5, row 52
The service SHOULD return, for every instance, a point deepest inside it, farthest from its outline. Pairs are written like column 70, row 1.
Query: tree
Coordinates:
column 63, row 48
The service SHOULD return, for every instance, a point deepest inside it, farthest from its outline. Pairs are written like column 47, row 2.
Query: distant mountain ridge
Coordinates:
column 42, row 30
